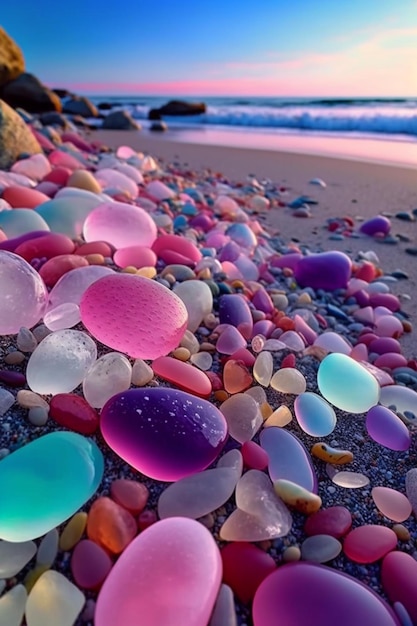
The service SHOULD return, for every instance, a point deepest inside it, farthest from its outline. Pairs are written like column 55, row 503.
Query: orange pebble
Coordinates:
column 130, row 494
column 221, row 395
column 110, row 525
column 266, row 410
column 236, row 376
column 94, row 259
column 286, row 323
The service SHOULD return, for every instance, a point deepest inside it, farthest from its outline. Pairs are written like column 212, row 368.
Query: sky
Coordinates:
column 300, row 48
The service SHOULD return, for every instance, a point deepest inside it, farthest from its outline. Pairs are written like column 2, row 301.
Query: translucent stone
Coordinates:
column 332, row 342
column 288, row 459
column 230, row 340
column 121, row 225
column 198, row 301
column 65, row 315
column 60, row 362
column 73, row 531
column 170, row 574
column 315, row 416
column 110, row 374
column 110, row 178
column 297, row 497
column 142, row 373
column 274, row 345
column 334, row 521
column 292, row 340
column 369, row 543
column 15, row 223
column 90, row 564
column 202, row 493
column 24, row 294
column 386, row 428
column 12, row 606
column 320, row 548
column 182, row 375
column 263, row 368
column 288, row 380
column 36, row 166
column 43, row 506
column 411, row 488
column 403, row 398
column 48, row 549
column 349, row 480
column 399, row 576
column 260, row 514
column 346, row 384
column 72, row 285
column 325, row 270
column 258, row 394
column 224, row 612
column 244, row 568
column 392, row 503
column 159, row 190
column 14, row 557
column 202, row 360
column 280, row 417
column 38, row 416
column 26, row 340
column 236, row 376
column 66, row 214
column 6, row 401
column 110, row 525
column 53, row 600
column 130, row 494
column 242, row 416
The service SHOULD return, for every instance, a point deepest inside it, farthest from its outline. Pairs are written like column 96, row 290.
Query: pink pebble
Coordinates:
column 166, row 244
column 254, row 457
column 42, row 140
column 388, row 300
column 170, row 574
column 77, row 141
column 243, row 354
column 120, row 224
column 47, row 246
column 183, row 375
column 134, row 315
column 334, row 521
column 391, row 360
column 53, row 269
column 137, row 256
column 23, row 197
column 388, row 326
column 95, row 247
column 130, row 494
column 230, row 340
column 59, row 176
column 90, row 564
column 368, row 544
column 63, row 159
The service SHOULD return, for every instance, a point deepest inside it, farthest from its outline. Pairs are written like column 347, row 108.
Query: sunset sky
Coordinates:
column 220, row 47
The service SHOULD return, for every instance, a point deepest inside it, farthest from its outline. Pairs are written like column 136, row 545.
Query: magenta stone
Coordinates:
column 90, row 564
column 376, row 225
column 164, row 433
column 334, row 521
column 12, row 379
column 262, row 301
column 384, row 344
column 11, row 244
column 134, row 315
column 121, row 225
column 399, row 579
column 170, row 248
column 388, row 300
column 369, row 543
column 315, row 595
column 325, row 270
column 169, row 575
column 386, row 428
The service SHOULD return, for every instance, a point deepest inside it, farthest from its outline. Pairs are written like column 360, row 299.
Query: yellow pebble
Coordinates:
column 221, row 395
column 182, row 354
column 146, row 272
column 237, row 284
column 304, row 298
column 170, row 278
column 331, row 455
column 266, row 410
column 280, row 417
column 33, row 575
column 291, row 554
column 73, row 531
column 95, row 259
column 296, row 496
column 130, row 269
column 402, row 532
column 204, row 274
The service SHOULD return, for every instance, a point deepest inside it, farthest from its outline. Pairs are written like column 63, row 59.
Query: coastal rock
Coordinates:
column 12, row 62
column 27, row 92
column 159, row 126
column 120, row 120
column 79, row 105
column 177, row 107
column 15, row 137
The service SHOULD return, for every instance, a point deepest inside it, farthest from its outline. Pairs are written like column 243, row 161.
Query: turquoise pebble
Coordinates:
column 315, row 416
column 347, row 384
column 45, row 482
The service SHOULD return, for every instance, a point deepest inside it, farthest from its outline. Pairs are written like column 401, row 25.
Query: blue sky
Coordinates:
column 246, row 47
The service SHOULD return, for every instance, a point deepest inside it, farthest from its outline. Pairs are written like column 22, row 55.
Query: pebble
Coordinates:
column 369, row 543
column 320, row 548
column 245, row 566
column 111, row 526
column 73, row 531
column 53, row 600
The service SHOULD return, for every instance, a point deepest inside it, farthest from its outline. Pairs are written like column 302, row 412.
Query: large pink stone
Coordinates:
column 169, row 575
column 369, row 543
column 315, row 595
column 399, row 579
column 134, row 315
column 120, row 224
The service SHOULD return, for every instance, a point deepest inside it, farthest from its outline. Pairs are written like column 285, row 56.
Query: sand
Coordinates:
column 355, row 189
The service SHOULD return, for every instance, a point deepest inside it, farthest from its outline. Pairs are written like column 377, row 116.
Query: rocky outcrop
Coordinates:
column 12, row 62
column 79, row 105
column 16, row 137
column 177, row 107
column 158, row 126
column 120, row 120
column 27, row 92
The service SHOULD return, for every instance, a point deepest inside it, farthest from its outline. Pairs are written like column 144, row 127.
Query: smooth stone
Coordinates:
column 224, row 612
column 26, row 340
column 138, row 256
column 260, row 514
column 73, row 531
column 53, row 600
column 387, row 429
column 202, row 493
column 164, row 433
column 288, row 459
column 55, row 454
column 198, row 301
column 48, row 549
column 55, row 268
column 74, row 412
column 297, row 497
column 110, row 374
column 263, row 368
column 334, row 521
column 134, row 315
column 121, row 225
column 329, row 597
column 83, row 179
column 346, row 384
column 411, row 488
column 331, row 455
column 72, row 285
column 60, row 362
column 90, row 564
column 12, row 379
column 236, row 376
column 15, row 223
column 38, row 416
column 24, row 294
column 110, row 526
column 348, row 480
column 332, row 342
column 142, row 373
column 66, row 315
column 119, row 181
column 262, row 301
column 242, row 416
column 66, row 214
column 314, row 415
column 288, row 380
column 28, row 399
column 392, row 503
column 6, row 401
column 245, row 566
column 186, row 571
column 159, row 190
column 369, row 543
column 177, row 250
column 12, row 606
column 320, row 548
column 234, row 310
column 243, row 235
column 202, row 360
column 131, row 495
column 399, row 580
column 182, row 375
column 254, row 457
column 376, row 225
column 325, row 270
column 230, row 340
column 48, row 246
column 403, row 398
column 280, row 417
column 14, row 557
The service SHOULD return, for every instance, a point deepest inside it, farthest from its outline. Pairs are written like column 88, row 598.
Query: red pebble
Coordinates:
column 254, row 457
column 110, row 525
column 77, row 141
column 53, row 269
column 24, row 197
column 412, row 364
column 131, row 495
column 288, row 361
column 368, row 544
column 146, row 519
column 388, row 300
column 59, row 176
column 90, row 564
column 244, row 355
column 12, row 379
column 216, row 381
column 95, row 247
column 334, row 521
column 47, row 246
column 74, row 412
column 399, row 580
column 366, row 272
column 244, row 568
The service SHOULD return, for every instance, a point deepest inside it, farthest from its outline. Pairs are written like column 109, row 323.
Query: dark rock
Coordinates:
column 159, row 126
column 120, row 120
column 12, row 63
column 405, row 216
column 79, row 105
column 411, row 251
column 63, row 93
column 30, row 94
column 177, row 107
column 15, row 137
column 78, row 120
column 54, row 119
column 106, row 106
